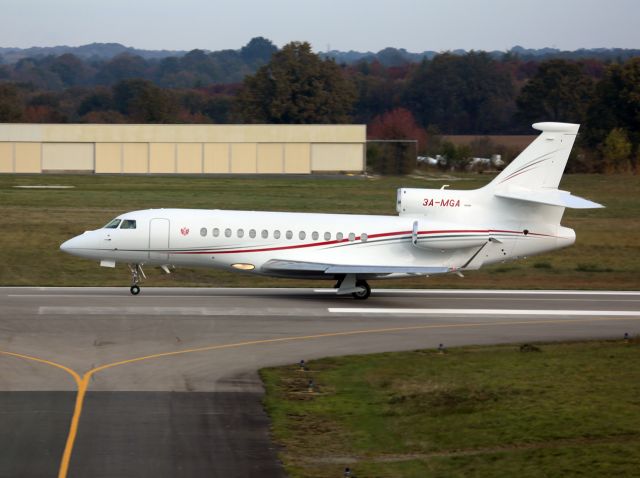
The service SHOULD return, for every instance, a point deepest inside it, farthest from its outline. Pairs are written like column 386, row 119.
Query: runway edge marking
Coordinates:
column 571, row 313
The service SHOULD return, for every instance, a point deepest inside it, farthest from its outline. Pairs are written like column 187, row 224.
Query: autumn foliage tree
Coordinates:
column 399, row 156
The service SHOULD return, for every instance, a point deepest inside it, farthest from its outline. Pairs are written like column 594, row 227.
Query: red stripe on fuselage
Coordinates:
column 342, row 241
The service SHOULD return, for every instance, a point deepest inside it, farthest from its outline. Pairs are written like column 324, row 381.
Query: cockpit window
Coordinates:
column 113, row 224
column 128, row 224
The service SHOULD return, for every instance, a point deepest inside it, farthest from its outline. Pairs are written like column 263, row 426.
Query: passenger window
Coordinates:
column 364, row 237
column 302, row 235
column 289, row 234
column 352, row 237
column 327, row 236
column 276, row 234
column 113, row 224
column 203, row 231
column 252, row 233
column 216, row 232
column 339, row 236
column 128, row 224
column 227, row 232
column 315, row 235
column 265, row 234
column 240, row 232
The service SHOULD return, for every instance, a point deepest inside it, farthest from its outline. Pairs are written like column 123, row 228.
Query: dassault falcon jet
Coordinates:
column 436, row 231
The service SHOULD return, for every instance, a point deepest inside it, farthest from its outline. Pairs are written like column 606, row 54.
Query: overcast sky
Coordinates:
column 363, row 25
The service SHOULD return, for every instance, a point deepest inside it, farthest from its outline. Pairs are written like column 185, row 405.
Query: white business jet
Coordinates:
column 436, row 231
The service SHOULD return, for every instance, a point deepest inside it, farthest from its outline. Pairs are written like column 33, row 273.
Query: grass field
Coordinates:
column 35, row 222
column 569, row 409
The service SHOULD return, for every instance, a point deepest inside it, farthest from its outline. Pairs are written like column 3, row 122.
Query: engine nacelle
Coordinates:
column 429, row 235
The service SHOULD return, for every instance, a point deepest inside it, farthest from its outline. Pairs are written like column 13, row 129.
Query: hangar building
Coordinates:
column 188, row 149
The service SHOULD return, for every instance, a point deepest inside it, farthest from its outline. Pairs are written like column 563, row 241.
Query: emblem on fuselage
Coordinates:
column 184, row 231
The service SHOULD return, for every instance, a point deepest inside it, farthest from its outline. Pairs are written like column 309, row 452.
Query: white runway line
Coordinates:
column 509, row 292
column 180, row 311
column 572, row 313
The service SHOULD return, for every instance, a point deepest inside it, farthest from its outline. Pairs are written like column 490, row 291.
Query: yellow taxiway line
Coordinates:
column 83, row 382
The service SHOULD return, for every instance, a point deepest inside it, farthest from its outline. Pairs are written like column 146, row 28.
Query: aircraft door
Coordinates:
column 159, row 239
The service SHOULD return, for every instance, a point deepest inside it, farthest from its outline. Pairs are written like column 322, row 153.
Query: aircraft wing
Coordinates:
column 276, row 265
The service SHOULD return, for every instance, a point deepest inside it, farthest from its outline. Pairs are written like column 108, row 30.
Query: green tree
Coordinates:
column 377, row 92
column 616, row 152
column 616, row 105
column 258, row 51
column 122, row 67
column 461, row 94
column 559, row 91
column 143, row 102
column 296, row 87
column 71, row 70
column 10, row 103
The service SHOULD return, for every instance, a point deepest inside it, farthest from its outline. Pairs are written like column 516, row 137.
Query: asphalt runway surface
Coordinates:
column 95, row 382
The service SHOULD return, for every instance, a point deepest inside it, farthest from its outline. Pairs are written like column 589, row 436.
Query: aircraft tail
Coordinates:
column 535, row 174
column 542, row 163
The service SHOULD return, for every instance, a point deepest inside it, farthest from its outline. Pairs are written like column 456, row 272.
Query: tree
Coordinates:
column 10, row 103
column 397, row 124
column 44, row 108
column 616, row 104
column 296, row 87
column 143, row 102
column 122, row 67
column 461, row 94
column 70, row 69
column 559, row 91
column 398, row 157
column 616, row 152
column 258, row 51
column 377, row 92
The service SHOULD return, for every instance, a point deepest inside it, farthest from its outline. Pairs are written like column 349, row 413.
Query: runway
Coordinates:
column 96, row 382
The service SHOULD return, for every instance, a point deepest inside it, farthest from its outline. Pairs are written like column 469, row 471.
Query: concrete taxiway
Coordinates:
column 96, row 382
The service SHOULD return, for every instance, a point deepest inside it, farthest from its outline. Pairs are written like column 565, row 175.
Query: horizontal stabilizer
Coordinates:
column 550, row 197
column 297, row 266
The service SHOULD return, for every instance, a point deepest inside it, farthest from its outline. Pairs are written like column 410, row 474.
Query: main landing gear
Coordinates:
column 137, row 274
column 358, row 288
column 364, row 292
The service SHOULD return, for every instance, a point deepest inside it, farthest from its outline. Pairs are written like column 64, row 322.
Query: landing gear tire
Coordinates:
column 363, row 294
column 137, row 274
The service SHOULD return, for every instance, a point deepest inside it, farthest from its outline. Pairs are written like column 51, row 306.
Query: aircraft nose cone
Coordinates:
column 66, row 245
column 70, row 245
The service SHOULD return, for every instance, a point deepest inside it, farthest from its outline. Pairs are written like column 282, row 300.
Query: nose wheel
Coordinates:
column 137, row 274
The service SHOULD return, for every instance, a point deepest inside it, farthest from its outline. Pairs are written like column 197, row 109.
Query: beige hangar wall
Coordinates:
column 181, row 149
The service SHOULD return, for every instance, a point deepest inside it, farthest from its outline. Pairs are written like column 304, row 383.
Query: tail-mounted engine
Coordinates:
column 441, row 237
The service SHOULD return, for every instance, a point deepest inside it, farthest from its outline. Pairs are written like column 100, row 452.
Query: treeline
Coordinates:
column 474, row 93
column 191, row 70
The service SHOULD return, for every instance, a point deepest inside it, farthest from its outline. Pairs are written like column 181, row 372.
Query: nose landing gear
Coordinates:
column 136, row 274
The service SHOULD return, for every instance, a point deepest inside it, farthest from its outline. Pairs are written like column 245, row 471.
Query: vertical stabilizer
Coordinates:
column 541, row 165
